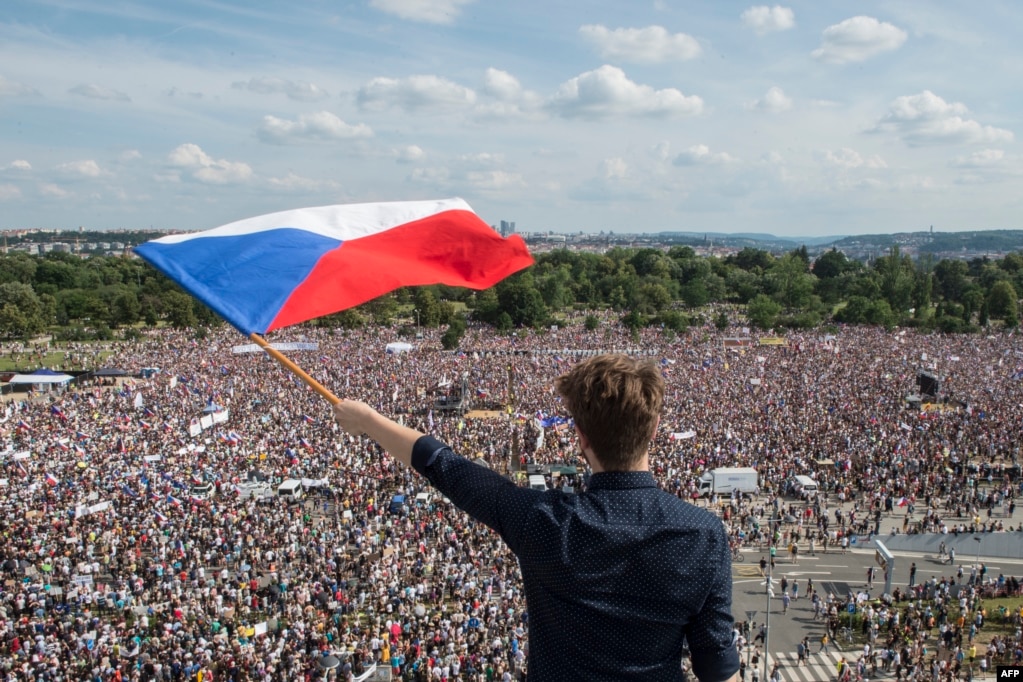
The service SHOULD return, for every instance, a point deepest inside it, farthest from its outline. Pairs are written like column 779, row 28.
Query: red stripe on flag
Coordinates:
column 452, row 247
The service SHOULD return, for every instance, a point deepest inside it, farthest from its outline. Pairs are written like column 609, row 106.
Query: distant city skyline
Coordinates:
column 801, row 119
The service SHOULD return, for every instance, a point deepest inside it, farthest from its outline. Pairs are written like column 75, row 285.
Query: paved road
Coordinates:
column 837, row 573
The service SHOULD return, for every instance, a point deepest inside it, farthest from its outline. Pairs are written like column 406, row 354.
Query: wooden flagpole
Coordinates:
column 295, row 369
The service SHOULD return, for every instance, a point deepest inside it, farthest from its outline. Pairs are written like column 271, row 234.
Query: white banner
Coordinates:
column 98, row 507
column 220, row 417
column 206, row 421
column 24, row 454
column 254, row 348
column 152, row 458
column 194, row 429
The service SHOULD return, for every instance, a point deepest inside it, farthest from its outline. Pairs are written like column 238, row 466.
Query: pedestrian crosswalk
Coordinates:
column 818, row 668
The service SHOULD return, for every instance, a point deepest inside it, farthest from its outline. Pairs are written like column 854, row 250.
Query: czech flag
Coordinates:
column 271, row 271
column 51, row 479
column 160, row 517
column 304, row 443
column 307, row 419
column 173, row 501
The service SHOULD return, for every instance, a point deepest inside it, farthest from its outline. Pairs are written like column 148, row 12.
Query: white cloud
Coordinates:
column 130, row 155
column 615, row 168
column 764, row 19
column 415, row 94
column 178, row 92
column 607, row 91
column 296, row 183
column 926, row 118
column 206, row 169
column 9, row 192
column 48, row 189
column 988, row 165
column 296, row 90
column 700, row 155
column 410, row 154
column 321, row 126
column 494, row 180
column 9, row 88
column 481, row 160
column 501, row 85
column 774, row 101
column 99, row 92
column 650, row 45
column 18, row 165
column 986, row 158
column 850, row 158
column 430, row 176
column 508, row 99
column 427, row 11
column 857, row 39
column 86, row 169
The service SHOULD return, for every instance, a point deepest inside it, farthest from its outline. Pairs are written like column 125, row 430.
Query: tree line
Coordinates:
column 102, row 297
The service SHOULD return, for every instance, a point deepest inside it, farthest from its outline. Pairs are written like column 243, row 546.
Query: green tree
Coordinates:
column 896, row 273
column 453, row 334
column 950, row 279
column 522, row 302
column 694, row 294
column 830, row 264
column 763, row 311
column 634, row 321
column 751, row 260
column 790, row 282
column 177, row 306
column 125, row 309
column 1003, row 303
column 429, row 308
column 22, row 313
column 591, row 323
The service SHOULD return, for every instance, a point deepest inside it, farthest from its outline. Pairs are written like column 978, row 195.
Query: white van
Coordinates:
column 537, row 482
column 291, row 490
column 805, row 485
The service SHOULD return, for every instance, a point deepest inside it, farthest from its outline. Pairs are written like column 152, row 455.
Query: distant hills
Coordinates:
column 980, row 241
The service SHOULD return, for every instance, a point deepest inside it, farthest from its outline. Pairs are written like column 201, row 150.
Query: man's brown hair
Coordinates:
column 615, row 401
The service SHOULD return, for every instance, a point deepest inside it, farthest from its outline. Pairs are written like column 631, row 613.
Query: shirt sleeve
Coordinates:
column 711, row 633
column 482, row 493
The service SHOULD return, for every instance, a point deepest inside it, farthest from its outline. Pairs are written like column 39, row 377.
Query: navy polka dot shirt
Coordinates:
column 616, row 578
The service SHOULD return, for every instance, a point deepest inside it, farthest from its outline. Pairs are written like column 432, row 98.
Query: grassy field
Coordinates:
column 54, row 358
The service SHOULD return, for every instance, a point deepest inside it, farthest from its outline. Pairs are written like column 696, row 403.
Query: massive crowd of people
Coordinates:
column 113, row 567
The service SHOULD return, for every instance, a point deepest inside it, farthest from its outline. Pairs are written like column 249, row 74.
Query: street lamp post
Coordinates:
column 769, row 591
column 976, row 565
column 750, row 615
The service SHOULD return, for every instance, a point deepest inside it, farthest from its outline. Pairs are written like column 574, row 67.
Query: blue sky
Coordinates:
column 804, row 118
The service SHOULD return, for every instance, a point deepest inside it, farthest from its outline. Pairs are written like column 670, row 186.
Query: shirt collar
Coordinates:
column 621, row 480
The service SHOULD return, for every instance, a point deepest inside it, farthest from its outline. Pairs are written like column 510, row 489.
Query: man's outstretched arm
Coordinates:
column 358, row 418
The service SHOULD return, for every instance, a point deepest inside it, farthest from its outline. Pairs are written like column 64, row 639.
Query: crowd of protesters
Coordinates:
column 114, row 568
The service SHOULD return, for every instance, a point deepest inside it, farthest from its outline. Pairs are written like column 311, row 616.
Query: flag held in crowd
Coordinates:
column 51, row 480
column 272, row 271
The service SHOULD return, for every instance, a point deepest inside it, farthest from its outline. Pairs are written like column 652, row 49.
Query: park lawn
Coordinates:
column 995, row 624
column 57, row 359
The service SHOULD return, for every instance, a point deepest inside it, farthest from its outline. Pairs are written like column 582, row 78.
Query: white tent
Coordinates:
column 40, row 379
column 398, row 347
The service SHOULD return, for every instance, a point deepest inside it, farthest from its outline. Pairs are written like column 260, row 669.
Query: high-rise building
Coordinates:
column 507, row 228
